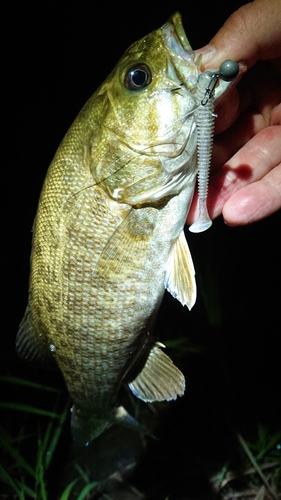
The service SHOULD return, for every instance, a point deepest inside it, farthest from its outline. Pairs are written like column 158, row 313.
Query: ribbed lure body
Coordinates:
column 205, row 121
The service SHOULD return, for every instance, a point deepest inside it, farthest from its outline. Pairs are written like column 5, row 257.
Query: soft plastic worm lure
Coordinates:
column 205, row 119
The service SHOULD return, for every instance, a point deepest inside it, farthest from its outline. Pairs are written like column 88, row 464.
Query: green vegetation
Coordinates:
column 24, row 475
column 259, row 472
column 222, row 441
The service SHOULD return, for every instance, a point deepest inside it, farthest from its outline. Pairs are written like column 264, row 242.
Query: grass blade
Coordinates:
column 28, row 409
column 256, row 465
column 7, row 479
column 56, row 435
column 89, row 487
column 19, row 460
column 28, row 383
column 68, row 489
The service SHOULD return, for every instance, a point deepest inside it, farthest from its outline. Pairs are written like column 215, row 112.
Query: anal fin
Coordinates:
column 180, row 275
column 159, row 380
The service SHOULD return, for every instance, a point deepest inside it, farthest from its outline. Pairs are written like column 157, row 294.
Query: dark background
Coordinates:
column 55, row 54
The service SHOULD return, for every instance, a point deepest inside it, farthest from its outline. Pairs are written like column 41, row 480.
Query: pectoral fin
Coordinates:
column 180, row 276
column 159, row 380
column 131, row 238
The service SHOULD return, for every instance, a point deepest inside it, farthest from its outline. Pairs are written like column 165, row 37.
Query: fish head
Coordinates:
column 147, row 140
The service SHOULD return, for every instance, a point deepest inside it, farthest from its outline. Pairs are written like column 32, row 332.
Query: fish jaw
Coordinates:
column 181, row 51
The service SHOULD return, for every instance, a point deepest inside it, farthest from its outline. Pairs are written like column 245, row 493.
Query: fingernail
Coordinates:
column 208, row 52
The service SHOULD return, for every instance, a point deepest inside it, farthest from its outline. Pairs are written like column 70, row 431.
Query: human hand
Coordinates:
column 245, row 182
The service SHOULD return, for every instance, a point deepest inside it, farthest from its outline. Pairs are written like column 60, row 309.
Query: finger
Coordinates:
column 251, row 163
column 259, row 91
column 227, row 110
column 231, row 140
column 250, row 34
column 255, row 201
column 276, row 115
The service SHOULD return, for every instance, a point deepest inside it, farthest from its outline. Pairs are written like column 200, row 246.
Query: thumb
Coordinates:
column 250, row 34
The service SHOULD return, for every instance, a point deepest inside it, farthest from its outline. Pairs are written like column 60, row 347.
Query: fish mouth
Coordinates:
column 180, row 51
column 176, row 38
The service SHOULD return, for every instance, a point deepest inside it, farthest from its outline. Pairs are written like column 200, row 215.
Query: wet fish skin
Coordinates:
column 108, row 235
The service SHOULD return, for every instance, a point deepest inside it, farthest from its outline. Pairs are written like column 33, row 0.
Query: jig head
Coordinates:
column 205, row 120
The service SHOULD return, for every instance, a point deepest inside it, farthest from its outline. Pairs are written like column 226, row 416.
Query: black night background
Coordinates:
column 55, row 56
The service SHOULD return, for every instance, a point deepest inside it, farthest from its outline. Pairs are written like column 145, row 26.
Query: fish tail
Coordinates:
column 85, row 426
column 122, row 417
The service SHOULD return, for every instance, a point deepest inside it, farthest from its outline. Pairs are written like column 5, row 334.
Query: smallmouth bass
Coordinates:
column 108, row 235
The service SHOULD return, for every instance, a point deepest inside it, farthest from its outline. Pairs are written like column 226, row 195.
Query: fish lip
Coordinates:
column 176, row 38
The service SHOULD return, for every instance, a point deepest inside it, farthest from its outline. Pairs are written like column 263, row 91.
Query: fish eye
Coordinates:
column 138, row 77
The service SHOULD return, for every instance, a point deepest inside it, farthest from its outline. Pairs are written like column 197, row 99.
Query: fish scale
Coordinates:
column 87, row 313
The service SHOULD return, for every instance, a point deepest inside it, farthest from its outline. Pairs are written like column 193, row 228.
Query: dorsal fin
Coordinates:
column 180, row 275
column 159, row 380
